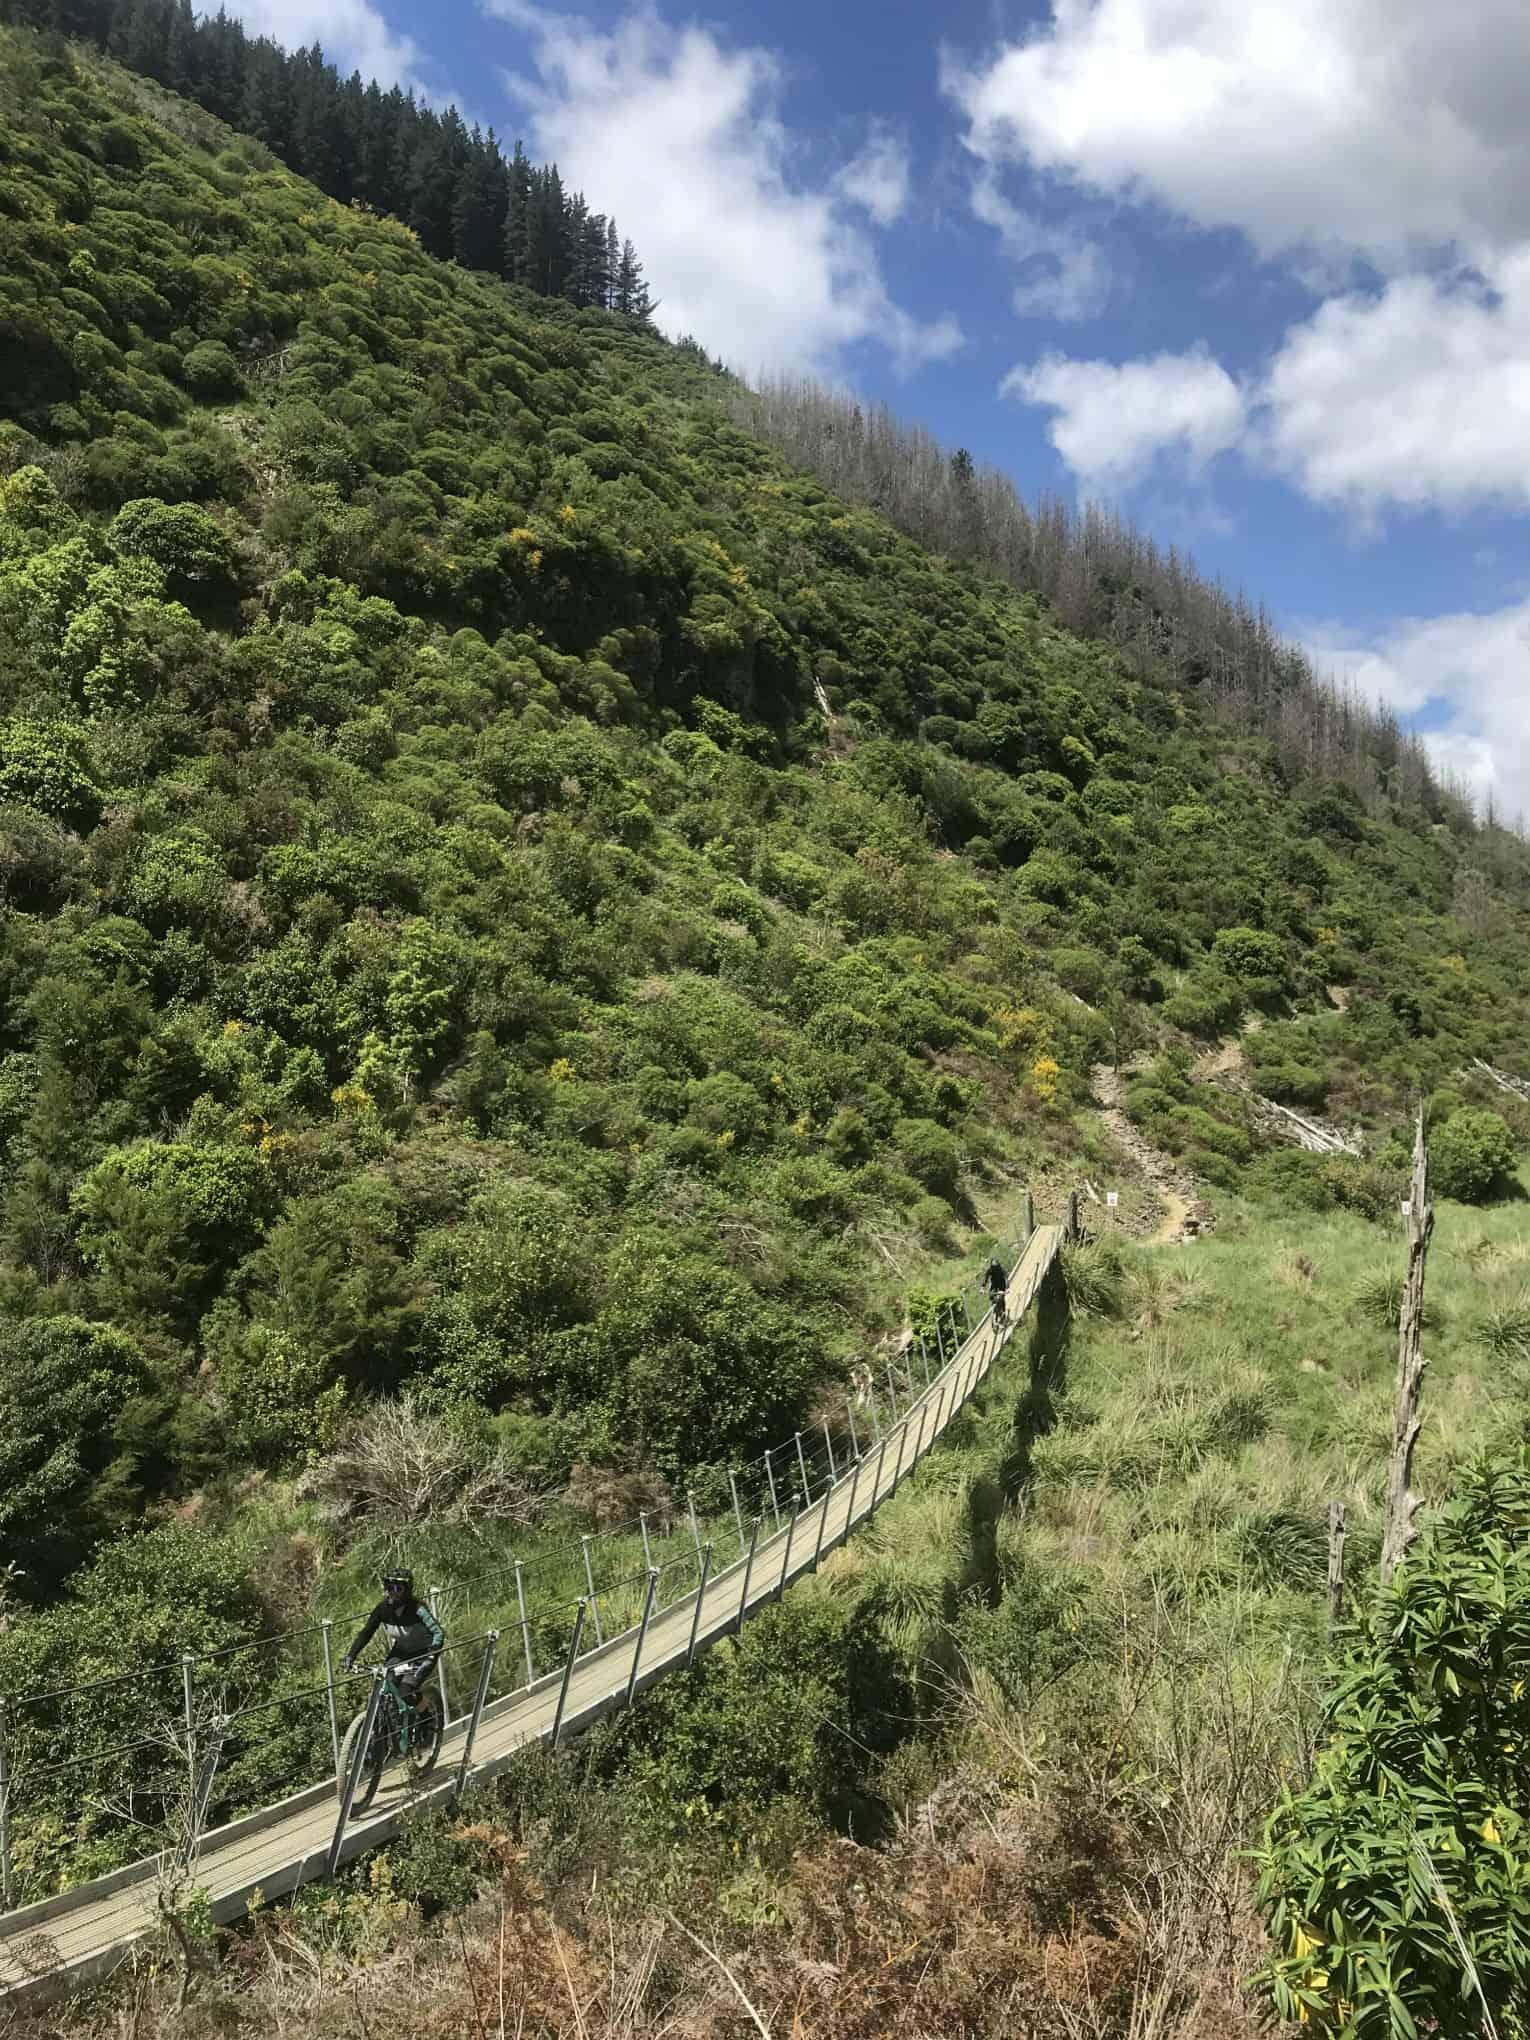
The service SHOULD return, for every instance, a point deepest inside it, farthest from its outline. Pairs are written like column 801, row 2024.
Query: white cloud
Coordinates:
column 679, row 136
column 1112, row 421
column 877, row 179
column 1472, row 671
column 1378, row 126
column 1417, row 397
column 354, row 34
column 1065, row 275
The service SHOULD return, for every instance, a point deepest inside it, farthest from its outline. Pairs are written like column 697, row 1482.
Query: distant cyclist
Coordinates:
column 996, row 1282
column 415, row 1637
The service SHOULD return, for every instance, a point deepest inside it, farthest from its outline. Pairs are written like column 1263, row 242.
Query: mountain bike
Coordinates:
column 410, row 1734
column 1000, row 1306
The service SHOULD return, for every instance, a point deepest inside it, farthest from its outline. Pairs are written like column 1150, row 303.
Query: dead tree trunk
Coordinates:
column 1335, row 1565
column 1402, row 1503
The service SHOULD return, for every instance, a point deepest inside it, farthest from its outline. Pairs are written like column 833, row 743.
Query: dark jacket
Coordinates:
column 412, row 1631
column 994, row 1276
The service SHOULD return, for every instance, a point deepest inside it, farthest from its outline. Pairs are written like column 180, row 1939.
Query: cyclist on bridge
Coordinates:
column 996, row 1282
column 415, row 1638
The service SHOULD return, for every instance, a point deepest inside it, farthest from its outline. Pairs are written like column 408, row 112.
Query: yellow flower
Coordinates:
column 1489, row 1830
column 562, row 1071
column 1305, row 1940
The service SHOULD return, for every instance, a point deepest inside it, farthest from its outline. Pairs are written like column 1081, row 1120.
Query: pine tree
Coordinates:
column 517, row 239
column 432, row 188
column 478, row 208
column 632, row 293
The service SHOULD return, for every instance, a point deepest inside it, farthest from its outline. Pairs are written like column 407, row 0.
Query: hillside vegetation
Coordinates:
column 516, row 893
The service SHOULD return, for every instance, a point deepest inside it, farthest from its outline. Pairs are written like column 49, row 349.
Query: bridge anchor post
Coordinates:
column 743, row 1599
column 701, row 1594
column 642, row 1635
column 353, row 1774
column 568, row 1670
column 329, row 1685
column 485, row 1672
column 520, row 1602
column 5, row 1811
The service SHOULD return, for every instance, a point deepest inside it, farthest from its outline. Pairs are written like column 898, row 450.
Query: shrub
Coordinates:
column 44, row 765
column 399, row 1463
column 1393, row 1883
column 210, row 371
column 1472, row 1156
column 191, row 551
column 931, row 1156
column 67, row 1448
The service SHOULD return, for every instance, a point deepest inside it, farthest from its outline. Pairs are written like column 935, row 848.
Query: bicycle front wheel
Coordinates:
column 371, row 1764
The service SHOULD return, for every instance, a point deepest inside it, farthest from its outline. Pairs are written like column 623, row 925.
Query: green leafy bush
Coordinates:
column 1472, row 1156
column 72, row 1441
column 1394, row 1880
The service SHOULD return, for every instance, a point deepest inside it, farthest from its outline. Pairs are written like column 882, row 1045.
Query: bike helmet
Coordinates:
column 398, row 1581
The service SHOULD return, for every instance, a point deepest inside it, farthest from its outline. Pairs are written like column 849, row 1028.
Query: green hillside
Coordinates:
column 515, row 893
column 499, row 973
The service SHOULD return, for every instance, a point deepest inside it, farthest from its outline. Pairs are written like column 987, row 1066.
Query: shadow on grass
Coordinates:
column 1036, row 1410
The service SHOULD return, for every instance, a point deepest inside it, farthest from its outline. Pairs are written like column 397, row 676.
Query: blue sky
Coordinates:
column 1256, row 270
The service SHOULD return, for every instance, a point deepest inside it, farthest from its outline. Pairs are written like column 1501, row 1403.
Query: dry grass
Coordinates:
column 984, row 1920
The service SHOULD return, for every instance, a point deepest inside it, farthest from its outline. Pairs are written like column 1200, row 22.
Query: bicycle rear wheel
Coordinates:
column 424, row 1739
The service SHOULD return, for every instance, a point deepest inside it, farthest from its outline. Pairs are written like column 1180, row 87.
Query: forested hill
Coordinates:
column 465, row 200
column 515, row 891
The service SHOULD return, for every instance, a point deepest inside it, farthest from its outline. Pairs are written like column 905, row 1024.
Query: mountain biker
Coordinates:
column 415, row 1638
column 996, row 1282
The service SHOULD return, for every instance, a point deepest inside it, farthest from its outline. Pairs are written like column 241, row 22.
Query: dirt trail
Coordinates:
column 1185, row 1215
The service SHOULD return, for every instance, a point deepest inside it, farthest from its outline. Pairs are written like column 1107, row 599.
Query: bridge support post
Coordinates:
column 876, row 1479
column 940, row 1343
column 892, row 1393
column 791, row 1531
column 188, row 1673
column 801, row 1462
column 855, row 1441
column 589, row 1580
column 828, row 1446
column 701, row 1594
column 202, row 1798
column 647, row 1554
column 775, row 1506
column 568, row 1670
column 446, row 1705
column 329, row 1685
column 353, row 1773
column 743, row 1599
column 823, row 1524
column 738, row 1514
column 520, row 1602
column 690, row 1503
column 5, row 1810
column 1030, row 1215
column 1072, row 1216
column 924, row 1361
column 642, row 1635
column 485, row 1673
column 898, row 1458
